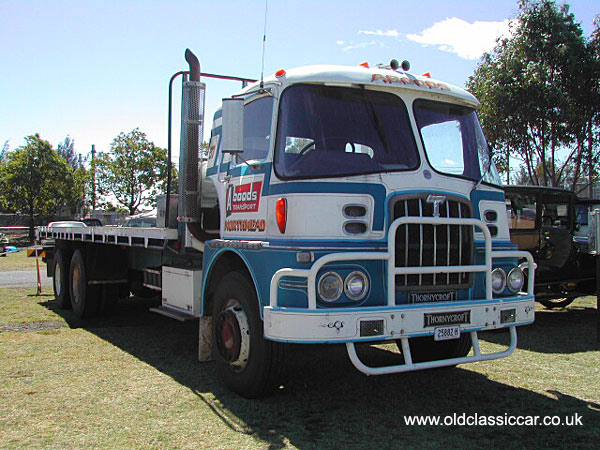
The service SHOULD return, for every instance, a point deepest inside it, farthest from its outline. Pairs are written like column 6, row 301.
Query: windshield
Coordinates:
column 327, row 131
column 454, row 141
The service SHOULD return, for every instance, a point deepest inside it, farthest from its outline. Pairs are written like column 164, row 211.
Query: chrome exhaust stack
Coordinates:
column 192, row 129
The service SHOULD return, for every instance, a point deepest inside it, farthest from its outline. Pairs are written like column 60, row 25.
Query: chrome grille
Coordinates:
column 432, row 245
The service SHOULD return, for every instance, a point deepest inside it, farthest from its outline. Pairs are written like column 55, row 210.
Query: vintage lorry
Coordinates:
column 552, row 224
column 334, row 205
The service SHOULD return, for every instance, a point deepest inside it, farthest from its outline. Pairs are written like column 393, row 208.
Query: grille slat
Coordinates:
column 438, row 245
column 420, row 240
column 406, row 245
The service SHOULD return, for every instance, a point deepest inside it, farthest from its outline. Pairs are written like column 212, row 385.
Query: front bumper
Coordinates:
column 345, row 325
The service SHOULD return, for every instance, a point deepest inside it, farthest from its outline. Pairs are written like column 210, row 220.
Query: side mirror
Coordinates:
column 232, row 134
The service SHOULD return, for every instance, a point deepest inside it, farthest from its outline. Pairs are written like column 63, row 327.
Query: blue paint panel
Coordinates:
column 263, row 263
column 377, row 191
column 477, row 196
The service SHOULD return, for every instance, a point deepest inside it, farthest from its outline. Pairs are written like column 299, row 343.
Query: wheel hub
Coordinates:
column 57, row 280
column 76, row 284
column 233, row 335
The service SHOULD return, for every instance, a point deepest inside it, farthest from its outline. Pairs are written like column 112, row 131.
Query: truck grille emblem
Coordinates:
column 437, row 200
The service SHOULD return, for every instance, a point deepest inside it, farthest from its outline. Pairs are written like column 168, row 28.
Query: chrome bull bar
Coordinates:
column 392, row 271
column 390, row 257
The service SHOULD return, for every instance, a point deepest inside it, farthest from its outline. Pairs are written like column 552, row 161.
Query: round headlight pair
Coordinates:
column 514, row 281
column 331, row 286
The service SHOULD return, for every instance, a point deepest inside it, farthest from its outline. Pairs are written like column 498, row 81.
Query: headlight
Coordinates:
column 515, row 280
column 330, row 287
column 356, row 286
column 498, row 280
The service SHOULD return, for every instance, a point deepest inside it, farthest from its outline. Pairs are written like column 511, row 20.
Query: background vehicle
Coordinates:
column 67, row 224
column 335, row 205
column 141, row 221
column 91, row 222
column 543, row 222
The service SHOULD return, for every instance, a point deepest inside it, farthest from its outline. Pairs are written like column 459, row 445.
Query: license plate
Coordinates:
column 430, row 297
column 446, row 333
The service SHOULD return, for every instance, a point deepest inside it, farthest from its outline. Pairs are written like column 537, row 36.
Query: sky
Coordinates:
column 93, row 69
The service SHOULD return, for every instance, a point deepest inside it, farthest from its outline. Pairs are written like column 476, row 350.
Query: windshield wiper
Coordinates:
column 485, row 172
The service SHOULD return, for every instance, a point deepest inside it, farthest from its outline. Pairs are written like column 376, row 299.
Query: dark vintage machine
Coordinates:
column 544, row 221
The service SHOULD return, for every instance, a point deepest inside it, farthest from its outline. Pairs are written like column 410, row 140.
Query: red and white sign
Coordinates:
column 243, row 198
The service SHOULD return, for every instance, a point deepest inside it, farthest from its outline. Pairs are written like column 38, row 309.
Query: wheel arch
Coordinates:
column 223, row 262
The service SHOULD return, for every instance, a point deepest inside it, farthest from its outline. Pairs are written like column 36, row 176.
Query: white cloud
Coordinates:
column 449, row 162
column 353, row 46
column 388, row 33
column 340, row 42
column 467, row 40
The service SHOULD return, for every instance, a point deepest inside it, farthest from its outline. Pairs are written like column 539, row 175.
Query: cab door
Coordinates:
column 556, row 240
column 523, row 219
column 245, row 205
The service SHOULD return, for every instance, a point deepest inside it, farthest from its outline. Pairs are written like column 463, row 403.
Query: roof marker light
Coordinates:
column 280, row 73
column 364, row 64
column 426, row 74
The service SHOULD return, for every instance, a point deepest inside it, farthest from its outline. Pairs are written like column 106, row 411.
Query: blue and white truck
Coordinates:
column 334, row 205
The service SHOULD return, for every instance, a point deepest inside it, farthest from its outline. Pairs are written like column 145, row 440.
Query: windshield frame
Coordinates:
column 483, row 171
column 277, row 151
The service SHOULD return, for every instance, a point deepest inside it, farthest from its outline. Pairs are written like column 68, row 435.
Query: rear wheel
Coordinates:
column 248, row 364
column 425, row 349
column 84, row 297
column 561, row 302
column 60, row 282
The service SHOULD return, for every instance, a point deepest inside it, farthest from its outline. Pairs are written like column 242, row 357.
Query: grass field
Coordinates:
column 18, row 261
column 133, row 381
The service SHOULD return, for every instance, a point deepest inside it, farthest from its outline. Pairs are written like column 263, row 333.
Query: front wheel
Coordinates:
column 561, row 302
column 248, row 364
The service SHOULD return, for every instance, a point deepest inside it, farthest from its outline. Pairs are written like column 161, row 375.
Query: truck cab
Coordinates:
column 363, row 205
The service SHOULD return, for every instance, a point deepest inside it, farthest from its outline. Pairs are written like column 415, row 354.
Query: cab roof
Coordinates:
column 363, row 76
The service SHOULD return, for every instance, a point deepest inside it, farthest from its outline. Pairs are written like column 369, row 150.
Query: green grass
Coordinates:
column 19, row 261
column 133, row 381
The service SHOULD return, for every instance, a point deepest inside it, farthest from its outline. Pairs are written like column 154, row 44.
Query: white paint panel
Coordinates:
column 181, row 289
column 320, row 216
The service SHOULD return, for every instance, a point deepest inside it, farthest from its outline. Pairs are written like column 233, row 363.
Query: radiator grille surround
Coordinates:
column 432, row 245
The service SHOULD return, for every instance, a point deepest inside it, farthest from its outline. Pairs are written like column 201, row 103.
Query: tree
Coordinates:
column 66, row 150
column 133, row 171
column 535, row 88
column 5, row 150
column 35, row 180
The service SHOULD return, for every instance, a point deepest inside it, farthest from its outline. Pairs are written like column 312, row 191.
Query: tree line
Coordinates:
column 36, row 179
column 540, row 94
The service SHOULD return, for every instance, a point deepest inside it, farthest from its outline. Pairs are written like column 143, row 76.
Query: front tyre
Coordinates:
column 248, row 364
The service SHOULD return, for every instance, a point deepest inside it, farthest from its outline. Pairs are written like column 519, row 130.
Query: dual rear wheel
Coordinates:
column 71, row 288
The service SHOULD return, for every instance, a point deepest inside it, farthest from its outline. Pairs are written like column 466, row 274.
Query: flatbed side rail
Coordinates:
column 124, row 236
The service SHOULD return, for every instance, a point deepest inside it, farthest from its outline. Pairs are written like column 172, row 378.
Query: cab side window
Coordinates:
column 555, row 215
column 521, row 210
column 257, row 129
